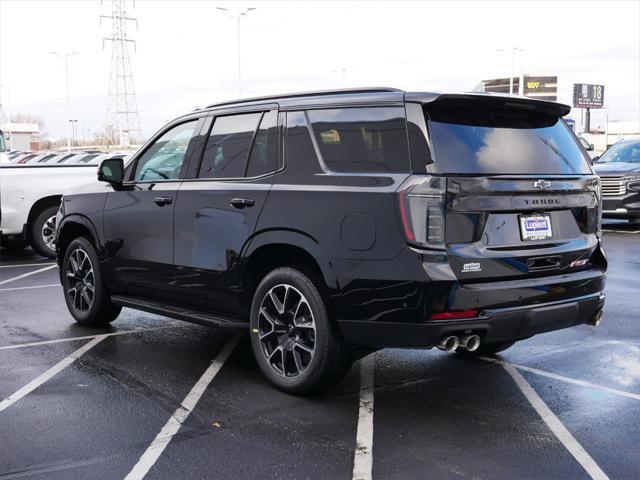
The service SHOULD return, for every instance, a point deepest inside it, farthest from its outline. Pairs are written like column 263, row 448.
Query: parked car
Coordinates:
column 36, row 157
column 619, row 170
column 22, row 157
column 30, row 195
column 334, row 222
column 12, row 154
column 4, row 153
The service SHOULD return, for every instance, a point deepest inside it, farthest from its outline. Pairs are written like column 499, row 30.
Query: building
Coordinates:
column 21, row 136
column 540, row 87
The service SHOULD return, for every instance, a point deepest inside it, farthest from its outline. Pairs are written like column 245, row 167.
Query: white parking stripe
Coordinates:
column 86, row 337
column 562, row 378
column 28, row 265
column 29, row 288
column 556, row 426
column 155, row 449
column 61, row 365
column 363, row 456
column 3, row 282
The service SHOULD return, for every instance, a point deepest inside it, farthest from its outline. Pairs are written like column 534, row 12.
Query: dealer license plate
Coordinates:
column 535, row 227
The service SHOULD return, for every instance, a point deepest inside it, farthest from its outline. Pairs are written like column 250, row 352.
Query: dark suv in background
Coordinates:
column 334, row 221
column 619, row 170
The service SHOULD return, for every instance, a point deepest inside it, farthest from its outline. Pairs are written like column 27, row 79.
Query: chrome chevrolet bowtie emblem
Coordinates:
column 541, row 184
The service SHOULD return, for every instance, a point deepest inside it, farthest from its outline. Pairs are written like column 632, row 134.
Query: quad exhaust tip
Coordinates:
column 451, row 343
column 595, row 321
column 470, row 342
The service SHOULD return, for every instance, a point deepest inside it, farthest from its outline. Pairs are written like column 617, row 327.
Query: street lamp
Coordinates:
column 74, row 125
column 343, row 72
column 238, row 16
column 4, row 112
column 514, row 52
column 66, row 57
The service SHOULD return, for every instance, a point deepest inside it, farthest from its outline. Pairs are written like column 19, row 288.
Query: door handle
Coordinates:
column 242, row 202
column 162, row 201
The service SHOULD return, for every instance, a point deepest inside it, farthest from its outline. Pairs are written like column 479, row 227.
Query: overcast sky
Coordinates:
column 186, row 53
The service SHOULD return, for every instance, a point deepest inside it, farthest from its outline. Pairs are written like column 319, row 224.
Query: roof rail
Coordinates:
column 308, row 94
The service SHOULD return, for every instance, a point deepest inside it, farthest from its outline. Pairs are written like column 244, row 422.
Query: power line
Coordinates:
column 123, row 121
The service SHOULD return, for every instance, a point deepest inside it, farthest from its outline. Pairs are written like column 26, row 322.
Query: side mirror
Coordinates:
column 111, row 170
column 585, row 144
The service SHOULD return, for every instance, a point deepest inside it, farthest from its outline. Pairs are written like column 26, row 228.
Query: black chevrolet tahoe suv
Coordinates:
column 333, row 223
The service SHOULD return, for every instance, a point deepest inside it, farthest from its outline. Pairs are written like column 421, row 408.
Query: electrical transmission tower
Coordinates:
column 123, row 121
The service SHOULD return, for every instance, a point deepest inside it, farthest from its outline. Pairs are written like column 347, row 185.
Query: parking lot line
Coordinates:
column 562, row 378
column 28, row 265
column 28, row 274
column 556, row 426
column 28, row 288
column 61, row 365
column 157, row 446
column 363, row 456
column 85, row 337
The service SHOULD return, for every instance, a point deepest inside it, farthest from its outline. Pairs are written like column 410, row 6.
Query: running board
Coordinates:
column 177, row 312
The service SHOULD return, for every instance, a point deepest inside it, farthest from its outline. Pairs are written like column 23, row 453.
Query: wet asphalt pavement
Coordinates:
column 435, row 415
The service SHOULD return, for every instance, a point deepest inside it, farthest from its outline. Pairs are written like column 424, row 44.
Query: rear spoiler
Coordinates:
column 491, row 99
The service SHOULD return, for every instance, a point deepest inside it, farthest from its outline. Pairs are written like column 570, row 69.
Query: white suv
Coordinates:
column 30, row 196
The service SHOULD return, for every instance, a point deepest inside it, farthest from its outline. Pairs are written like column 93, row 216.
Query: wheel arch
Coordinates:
column 279, row 248
column 73, row 226
column 39, row 206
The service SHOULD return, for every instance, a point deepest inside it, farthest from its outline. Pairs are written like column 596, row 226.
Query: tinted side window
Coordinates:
column 225, row 155
column 264, row 152
column 300, row 149
column 362, row 139
column 163, row 159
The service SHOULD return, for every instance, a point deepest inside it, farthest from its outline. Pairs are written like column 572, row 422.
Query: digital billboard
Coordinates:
column 588, row 96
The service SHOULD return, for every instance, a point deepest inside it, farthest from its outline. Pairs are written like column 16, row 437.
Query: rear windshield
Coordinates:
column 502, row 141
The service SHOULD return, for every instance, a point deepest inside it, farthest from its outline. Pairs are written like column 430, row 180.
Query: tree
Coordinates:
column 27, row 118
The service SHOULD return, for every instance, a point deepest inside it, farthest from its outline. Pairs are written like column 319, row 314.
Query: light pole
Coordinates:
column 238, row 17
column 343, row 72
column 514, row 52
column 74, row 125
column 4, row 112
column 66, row 57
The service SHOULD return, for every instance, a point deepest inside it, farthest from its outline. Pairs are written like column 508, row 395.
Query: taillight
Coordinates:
column 421, row 203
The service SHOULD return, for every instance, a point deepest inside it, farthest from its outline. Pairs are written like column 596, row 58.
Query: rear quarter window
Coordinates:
column 372, row 139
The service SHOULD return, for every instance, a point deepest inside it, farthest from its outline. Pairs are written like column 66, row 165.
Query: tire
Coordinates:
column 86, row 308
column 293, row 340
column 42, row 232
column 486, row 349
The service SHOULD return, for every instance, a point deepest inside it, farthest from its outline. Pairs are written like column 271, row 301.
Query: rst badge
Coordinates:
column 535, row 227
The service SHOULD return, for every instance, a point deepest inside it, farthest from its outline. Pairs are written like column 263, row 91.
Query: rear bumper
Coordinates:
column 493, row 325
